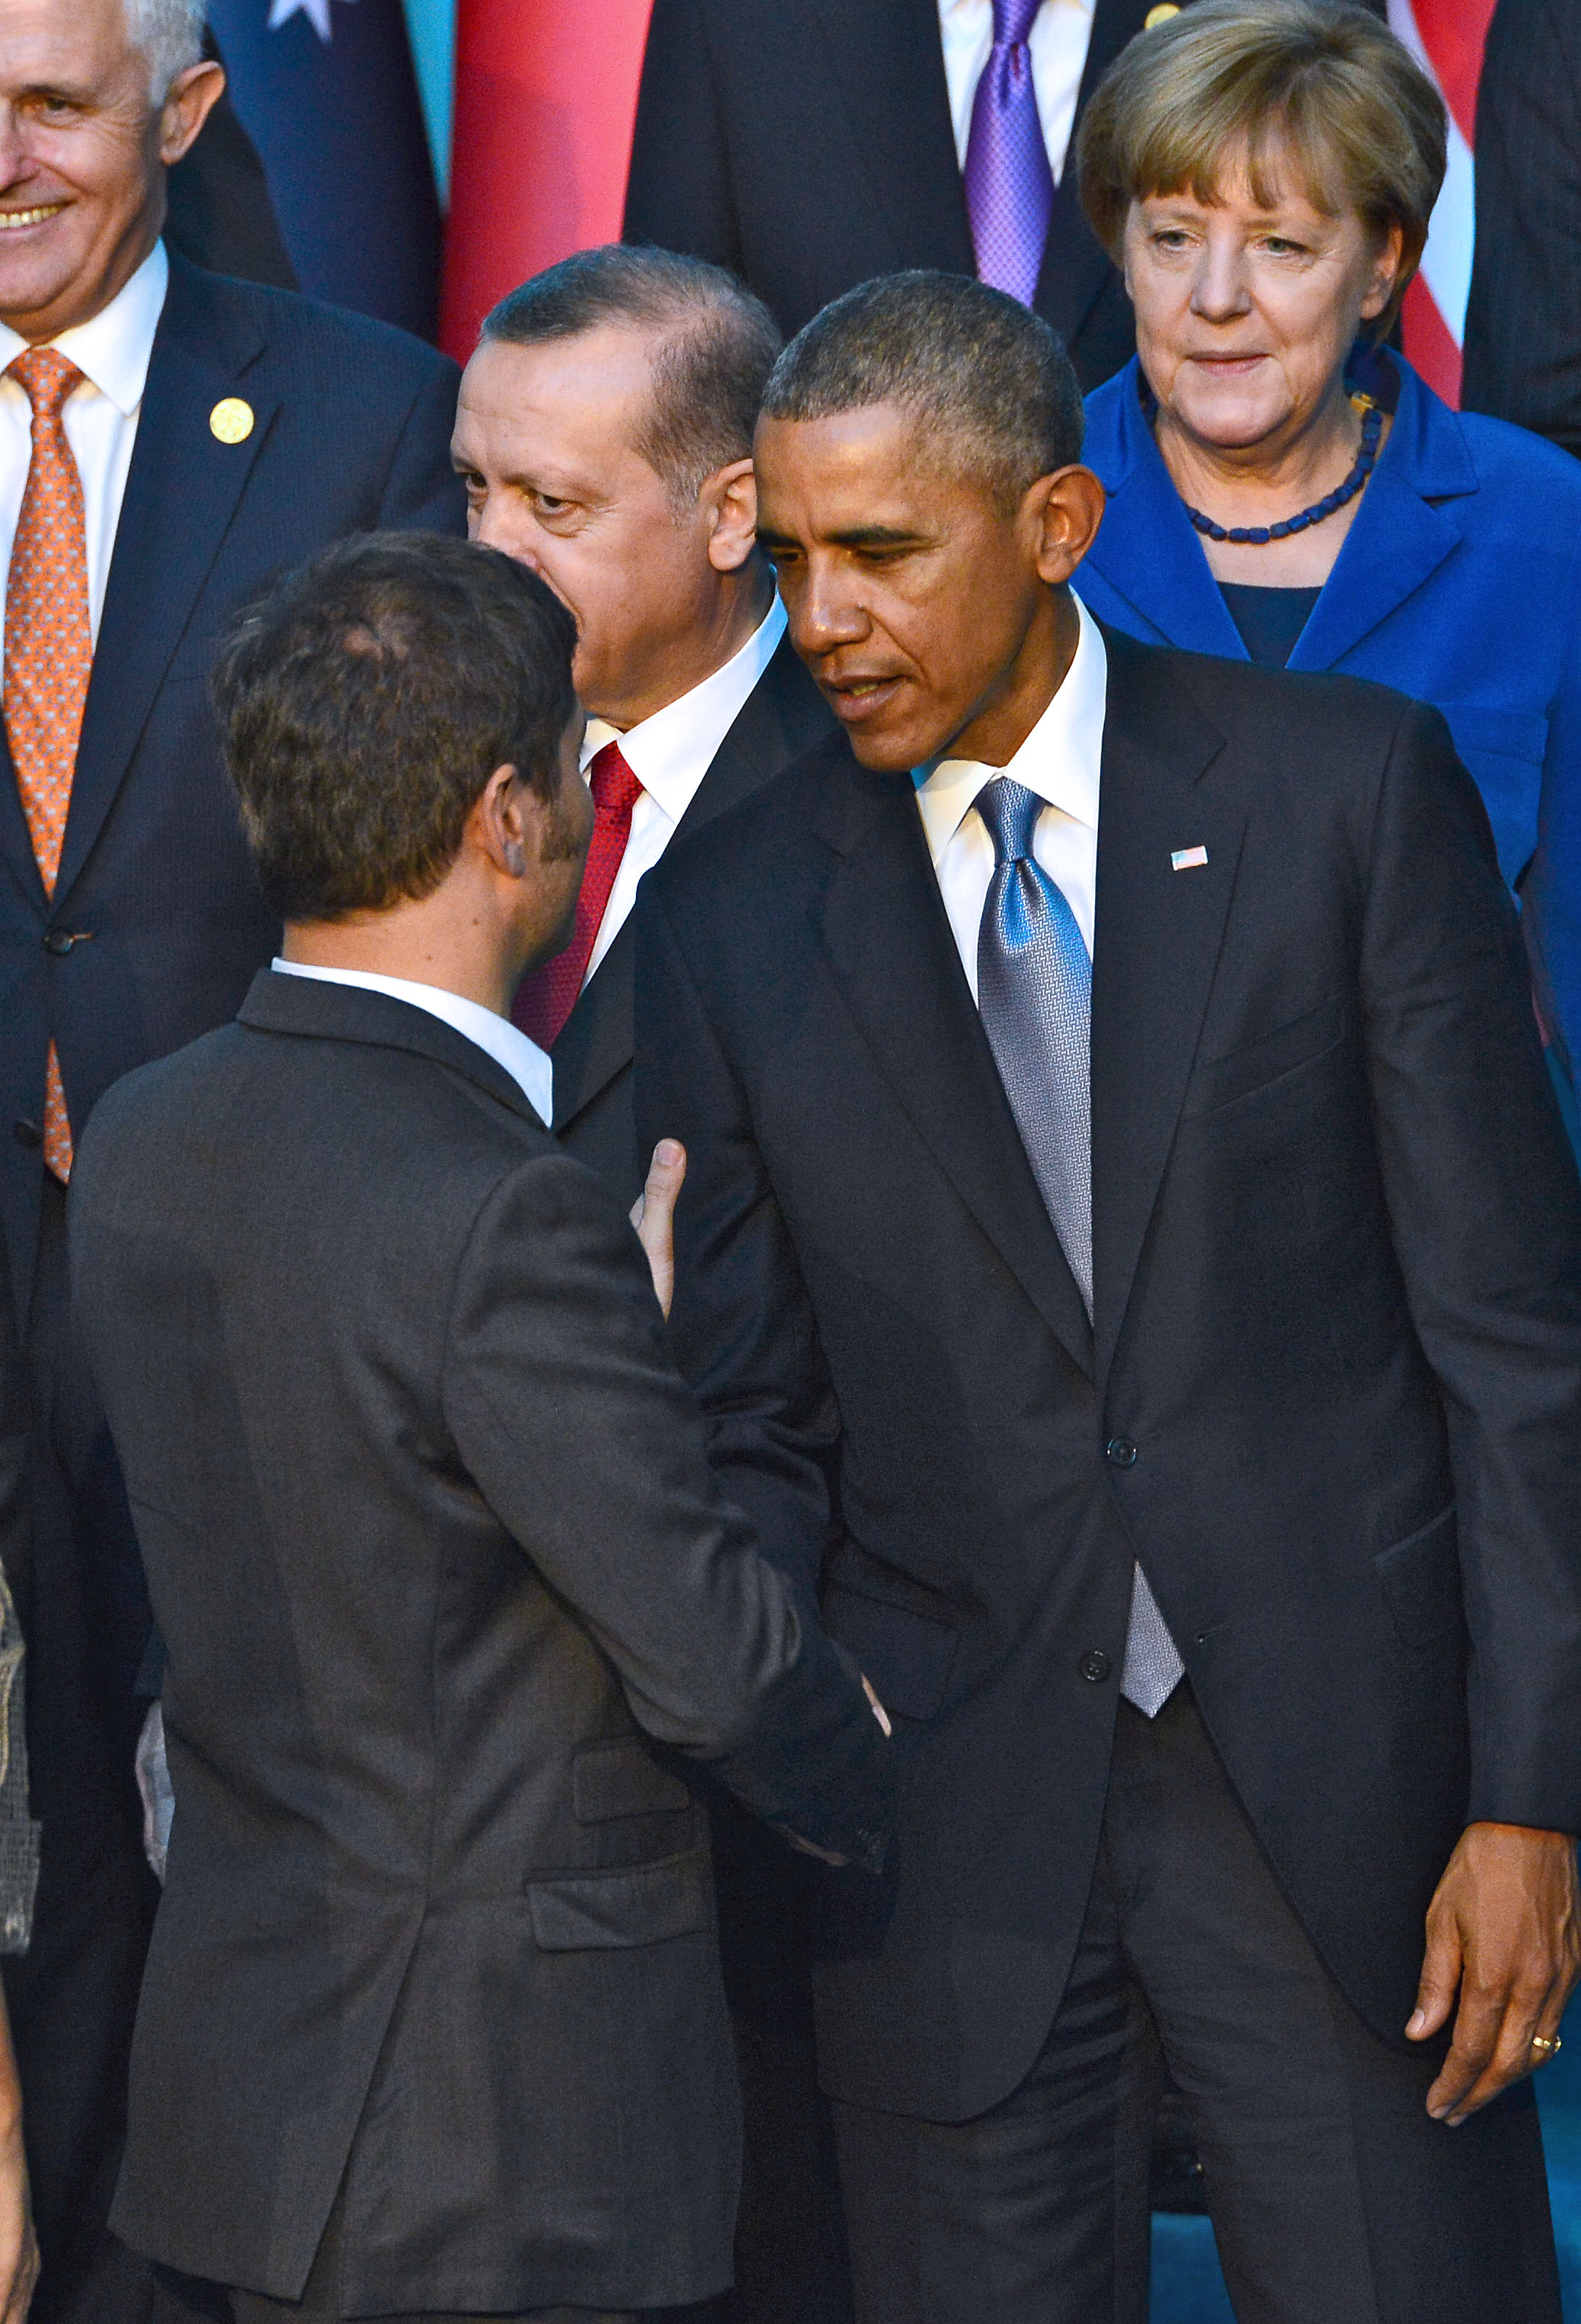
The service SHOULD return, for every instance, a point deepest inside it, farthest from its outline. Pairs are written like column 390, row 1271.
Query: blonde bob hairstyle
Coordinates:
column 1232, row 84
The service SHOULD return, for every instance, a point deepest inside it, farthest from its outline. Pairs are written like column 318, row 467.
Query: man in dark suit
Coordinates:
column 605, row 437
column 1524, row 321
column 1120, row 1153
column 186, row 436
column 432, row 2023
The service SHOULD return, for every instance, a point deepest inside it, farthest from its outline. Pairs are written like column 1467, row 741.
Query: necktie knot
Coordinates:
column 1009, row 812
column 1013, row 22
column 46, row 378
column 615, row 789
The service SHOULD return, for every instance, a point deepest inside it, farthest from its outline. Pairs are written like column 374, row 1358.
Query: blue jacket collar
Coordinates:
column 1148, row 553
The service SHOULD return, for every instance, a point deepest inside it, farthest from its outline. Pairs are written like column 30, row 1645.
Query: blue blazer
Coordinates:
column 156, row 926
column 1459, row 582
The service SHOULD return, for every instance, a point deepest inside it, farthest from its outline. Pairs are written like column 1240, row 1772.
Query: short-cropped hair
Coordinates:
column 364, row 701
column 988, row 384
column 170, row 34
column 714, row 346
column 1228, row 83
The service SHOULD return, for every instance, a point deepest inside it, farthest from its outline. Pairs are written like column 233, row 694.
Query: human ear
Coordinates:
column 191, row 98
column 499, row 822
column 731, row 504
column 1386, row 257
column 1063, row 513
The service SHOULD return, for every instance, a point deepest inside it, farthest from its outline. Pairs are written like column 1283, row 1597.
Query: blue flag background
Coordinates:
column 325, row 90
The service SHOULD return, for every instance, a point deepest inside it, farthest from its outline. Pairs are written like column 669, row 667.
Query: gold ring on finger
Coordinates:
column 1550, row 2049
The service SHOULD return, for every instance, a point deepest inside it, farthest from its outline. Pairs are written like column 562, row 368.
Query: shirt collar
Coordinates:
column 112, row 347
column 1060, row 758
column 528, row 1066
column 670, row 753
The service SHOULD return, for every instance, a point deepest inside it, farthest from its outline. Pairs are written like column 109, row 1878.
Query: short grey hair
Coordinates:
column 170, row 34
column 987, row 382
column 715, row 347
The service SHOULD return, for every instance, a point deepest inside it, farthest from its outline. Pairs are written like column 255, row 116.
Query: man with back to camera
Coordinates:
column 432, row 2023
column 1120, row 1151
column 604, row 435
column 167, row 440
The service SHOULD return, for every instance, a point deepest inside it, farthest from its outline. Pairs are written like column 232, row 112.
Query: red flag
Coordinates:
column 546, row 98
column 1446, row 37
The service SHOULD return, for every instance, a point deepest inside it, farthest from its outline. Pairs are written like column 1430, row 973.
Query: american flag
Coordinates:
column 1446, row 37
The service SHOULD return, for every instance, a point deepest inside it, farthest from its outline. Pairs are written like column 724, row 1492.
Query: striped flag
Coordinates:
column 1446, row 37
column 545, row 102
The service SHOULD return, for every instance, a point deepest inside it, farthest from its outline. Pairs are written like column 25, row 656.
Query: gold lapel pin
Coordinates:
column 1159, row 15
column 231, row 420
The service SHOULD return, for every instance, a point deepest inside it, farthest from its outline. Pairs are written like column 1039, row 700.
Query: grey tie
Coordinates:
column 1035, row 990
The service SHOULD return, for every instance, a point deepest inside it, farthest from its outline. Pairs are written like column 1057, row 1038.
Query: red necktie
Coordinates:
column 48, row 654
column 546, row 999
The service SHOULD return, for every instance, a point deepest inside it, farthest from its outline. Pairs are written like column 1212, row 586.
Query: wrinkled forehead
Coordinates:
column 878, row 466
column 63, row 43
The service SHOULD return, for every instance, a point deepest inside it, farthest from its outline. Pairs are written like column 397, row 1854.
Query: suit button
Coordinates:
column 1095, row 1665
column 58, row 941
column 1121, row 1452
column 28, row 1134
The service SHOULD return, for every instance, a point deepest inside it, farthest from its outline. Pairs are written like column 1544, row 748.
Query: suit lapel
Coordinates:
column 1156, row 946
column 783, row 716
column 181, row 493
column 1147, row 549
column 1075, row 267
column 883, row 928
column 886, row 69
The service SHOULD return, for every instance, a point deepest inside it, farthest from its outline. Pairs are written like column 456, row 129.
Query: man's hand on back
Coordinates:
column 1504, row 1930
column 653, row 1214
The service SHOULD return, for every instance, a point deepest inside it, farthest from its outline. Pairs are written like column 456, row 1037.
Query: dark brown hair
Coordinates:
column 365, row 700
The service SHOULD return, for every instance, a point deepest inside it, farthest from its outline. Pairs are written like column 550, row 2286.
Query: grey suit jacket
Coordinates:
column 432, row 1540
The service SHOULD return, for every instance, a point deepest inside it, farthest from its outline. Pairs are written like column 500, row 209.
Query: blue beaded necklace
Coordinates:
column 1257, row 536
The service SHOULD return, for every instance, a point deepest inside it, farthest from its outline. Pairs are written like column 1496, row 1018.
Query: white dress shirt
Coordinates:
column 1060, row 761
column 523, row 1060
column 112, row 352
column 669, row 754
column 1058, row 41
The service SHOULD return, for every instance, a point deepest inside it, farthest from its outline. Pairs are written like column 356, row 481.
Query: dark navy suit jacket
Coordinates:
column 156, row 926
column 1459, row 582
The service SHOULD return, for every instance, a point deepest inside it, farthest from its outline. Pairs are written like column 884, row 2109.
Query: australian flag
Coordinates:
column 326, row 90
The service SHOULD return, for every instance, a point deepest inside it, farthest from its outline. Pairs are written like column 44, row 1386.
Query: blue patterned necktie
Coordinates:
column 1010, row 185
column 1034, row 992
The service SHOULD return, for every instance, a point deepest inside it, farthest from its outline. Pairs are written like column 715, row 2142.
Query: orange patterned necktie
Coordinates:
column 48, row 654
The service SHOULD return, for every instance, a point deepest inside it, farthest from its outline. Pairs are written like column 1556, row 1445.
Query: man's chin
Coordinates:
column 889, row 755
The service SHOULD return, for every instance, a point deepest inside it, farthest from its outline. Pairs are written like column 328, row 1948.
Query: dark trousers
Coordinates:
column 73, row 1996
column 1335, row 2198
column 790, row 2255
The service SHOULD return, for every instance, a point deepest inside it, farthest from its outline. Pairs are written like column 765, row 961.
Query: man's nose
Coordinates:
column 496, row 526
column 15, row 162
column 830, row 614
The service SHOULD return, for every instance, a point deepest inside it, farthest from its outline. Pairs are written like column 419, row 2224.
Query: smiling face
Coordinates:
column 1246, row 311
column 545, row 441
column 83, row 152
column 930, row 616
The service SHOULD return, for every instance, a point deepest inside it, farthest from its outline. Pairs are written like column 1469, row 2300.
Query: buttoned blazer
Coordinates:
column 807, row 145
column 351, row 430
column 1332, row 1396
column 433, row 1544
column 1459, row 582
column 781, row 718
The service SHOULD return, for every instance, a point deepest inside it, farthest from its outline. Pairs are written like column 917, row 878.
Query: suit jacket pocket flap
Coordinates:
column 622, row 1778
column 906, row 1656
column 1421, row 1577
column 642, row 1905
column 1255, row 1064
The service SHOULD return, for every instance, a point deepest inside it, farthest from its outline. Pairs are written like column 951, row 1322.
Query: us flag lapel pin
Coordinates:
column 1187, row 859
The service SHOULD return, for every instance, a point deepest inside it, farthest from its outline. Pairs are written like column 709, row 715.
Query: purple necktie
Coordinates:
column 1009, row 186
